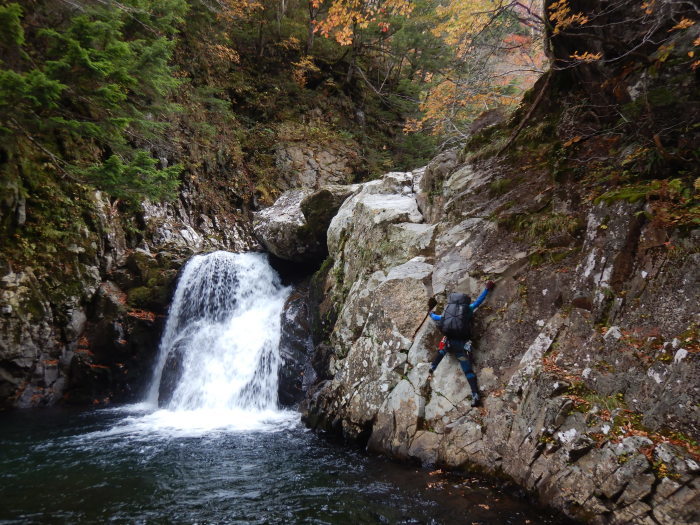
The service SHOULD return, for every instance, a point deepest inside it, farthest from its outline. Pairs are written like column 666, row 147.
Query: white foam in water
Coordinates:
column 195, row 423
column 224, row 329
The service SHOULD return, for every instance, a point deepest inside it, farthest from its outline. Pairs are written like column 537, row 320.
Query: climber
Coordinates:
column 455, row 323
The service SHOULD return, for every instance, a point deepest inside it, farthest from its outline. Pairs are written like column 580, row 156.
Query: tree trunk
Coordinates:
column 261, row 40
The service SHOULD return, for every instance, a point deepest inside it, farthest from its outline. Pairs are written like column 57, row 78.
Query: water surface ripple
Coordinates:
column 97, row 466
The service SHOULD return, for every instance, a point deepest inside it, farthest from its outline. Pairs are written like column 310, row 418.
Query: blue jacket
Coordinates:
column 473, row 306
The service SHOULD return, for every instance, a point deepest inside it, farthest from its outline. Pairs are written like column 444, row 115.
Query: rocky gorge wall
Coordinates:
column 81, row 321
column 586, row 351
column 85, row 329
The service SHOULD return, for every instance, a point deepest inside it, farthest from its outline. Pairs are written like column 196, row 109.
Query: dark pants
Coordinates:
column 456, row 347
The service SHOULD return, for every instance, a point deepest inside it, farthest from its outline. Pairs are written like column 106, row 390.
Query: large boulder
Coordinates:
column 281, row 230
column 294, row 228
column 378, row 227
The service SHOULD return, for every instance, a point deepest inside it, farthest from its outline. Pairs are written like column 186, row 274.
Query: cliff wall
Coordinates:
column 586, row 351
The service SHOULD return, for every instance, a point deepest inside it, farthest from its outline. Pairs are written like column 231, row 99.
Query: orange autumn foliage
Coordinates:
column 345, row 17
column 237, row 10
column 494, row 62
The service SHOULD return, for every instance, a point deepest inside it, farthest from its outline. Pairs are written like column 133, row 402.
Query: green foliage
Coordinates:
column 538, row 227
column 135, row 179
column 542, row 225
column 631, row 193
column 90, row 78
column 485, row 143
column 28, row 92
column 140, row 297
column 500, row 186
column 11, row 31
column 56, row 217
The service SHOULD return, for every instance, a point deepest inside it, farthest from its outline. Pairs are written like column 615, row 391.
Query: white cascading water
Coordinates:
column 224, row 329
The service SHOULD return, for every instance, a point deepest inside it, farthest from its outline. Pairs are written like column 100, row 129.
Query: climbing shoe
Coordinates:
column 476, row 400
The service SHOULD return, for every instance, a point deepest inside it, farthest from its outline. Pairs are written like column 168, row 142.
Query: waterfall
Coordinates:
column 220, row 348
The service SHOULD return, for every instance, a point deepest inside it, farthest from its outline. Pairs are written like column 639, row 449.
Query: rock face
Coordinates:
column 310, row 167
column 586, row 351
column 296, row 348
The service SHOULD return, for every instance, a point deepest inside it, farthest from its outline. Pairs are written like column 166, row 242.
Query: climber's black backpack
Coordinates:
column 457, row 317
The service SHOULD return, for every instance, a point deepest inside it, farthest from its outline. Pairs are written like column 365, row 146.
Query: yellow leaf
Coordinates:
column 587, row 56
column 685, row 23
column 648, row 7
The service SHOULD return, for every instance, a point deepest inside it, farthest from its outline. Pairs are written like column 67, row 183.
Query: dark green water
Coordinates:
column 98, row 466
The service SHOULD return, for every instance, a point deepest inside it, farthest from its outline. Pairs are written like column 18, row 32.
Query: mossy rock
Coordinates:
column 139, row 297
column 323, row 311
column 33, row 307
column 154, row 298
column 320, row 209
column 160, row 277
column 140, row 264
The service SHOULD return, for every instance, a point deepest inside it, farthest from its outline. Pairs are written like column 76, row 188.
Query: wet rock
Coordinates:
column 105, row 288
column 296, row 372
column 181, row 229
column 172, row 372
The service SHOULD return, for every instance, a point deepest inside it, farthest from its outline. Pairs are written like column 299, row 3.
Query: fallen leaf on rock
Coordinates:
column 573, row 140
column 144, row 315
